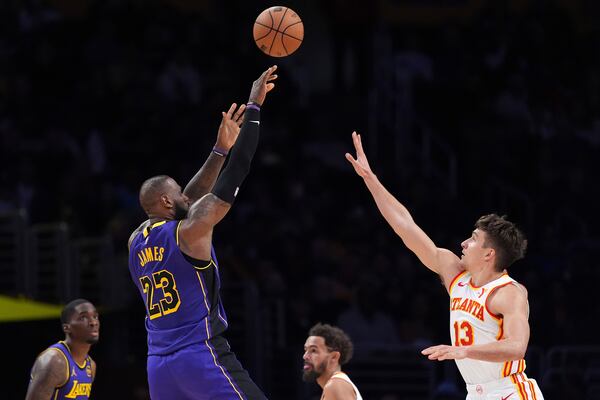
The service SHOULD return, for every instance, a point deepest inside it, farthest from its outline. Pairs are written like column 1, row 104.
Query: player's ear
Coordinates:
column 166, row 201
column 490, row 253
column 335, row 357
column 66, row 328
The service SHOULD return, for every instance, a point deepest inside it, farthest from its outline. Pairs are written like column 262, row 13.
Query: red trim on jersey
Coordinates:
column 532, row 389
column 522, row 393
column 500, row 329
column 508, row 368
column 453, row 281
column 497, row 317
column 521, row 366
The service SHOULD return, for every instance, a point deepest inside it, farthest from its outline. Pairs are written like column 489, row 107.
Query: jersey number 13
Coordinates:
column 463, row 333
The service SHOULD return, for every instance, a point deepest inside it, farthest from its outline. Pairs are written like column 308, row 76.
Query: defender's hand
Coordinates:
column 445, row 352
column 229, row 129
column 360, row 164
column 262, row 86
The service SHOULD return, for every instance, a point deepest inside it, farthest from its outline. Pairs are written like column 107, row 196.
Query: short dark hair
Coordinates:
column 335, row 340
column 504, row 237
column 151, row 190
column 69, row 310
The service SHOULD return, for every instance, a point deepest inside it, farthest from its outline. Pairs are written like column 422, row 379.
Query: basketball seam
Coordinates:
column 268, row 33
column 288, row 27
column 282, row 32
column 270, row 27
column 277, row 29
column 283, row 45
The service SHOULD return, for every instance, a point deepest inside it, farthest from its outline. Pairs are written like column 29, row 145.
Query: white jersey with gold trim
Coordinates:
column 343, row 376
column 471, row 323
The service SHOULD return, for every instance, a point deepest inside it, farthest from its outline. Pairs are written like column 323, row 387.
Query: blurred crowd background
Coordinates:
column 465, row 107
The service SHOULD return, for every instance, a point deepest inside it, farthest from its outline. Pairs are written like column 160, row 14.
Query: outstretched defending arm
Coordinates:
column 442, row 261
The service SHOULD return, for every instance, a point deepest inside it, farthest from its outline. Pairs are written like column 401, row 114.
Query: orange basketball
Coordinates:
column 278, row 31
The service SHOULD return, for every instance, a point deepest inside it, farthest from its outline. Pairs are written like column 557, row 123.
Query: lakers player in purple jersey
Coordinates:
column 173, row 264
column 65, row 370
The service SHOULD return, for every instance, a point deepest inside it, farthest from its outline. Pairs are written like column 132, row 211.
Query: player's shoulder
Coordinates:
column 520, row 287
column 52, row 358
column 51, row 367
column 512, row 288
column 338, row 388
column 137, row 230
column 507, row 295
column 448, row 267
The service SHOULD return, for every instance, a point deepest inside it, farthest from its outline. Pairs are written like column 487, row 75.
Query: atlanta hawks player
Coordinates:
column 489, row 310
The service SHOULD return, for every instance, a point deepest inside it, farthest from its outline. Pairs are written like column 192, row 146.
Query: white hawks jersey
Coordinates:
column 471, row 323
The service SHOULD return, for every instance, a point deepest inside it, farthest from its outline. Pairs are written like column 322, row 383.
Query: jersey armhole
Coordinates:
column 454, row 281
column 177, row 233
column 68, row 366
column 487, row 299
column 198, row 264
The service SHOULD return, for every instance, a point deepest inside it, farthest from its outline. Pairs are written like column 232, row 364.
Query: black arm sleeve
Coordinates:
column 238, row 166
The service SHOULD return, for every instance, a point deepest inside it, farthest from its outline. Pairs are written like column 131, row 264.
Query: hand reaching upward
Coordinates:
column 262, row 86
column 229, row 129
column 360, row 164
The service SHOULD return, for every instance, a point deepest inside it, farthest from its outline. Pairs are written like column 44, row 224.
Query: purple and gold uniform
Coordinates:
column 187, row 357
column 78, row 378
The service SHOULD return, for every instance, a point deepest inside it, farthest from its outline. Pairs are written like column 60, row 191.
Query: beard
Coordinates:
column 180, row 211
column 311, row 375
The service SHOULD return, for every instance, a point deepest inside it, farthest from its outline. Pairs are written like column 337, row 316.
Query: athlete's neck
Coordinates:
column 484, row 276
column 325, row 377
column 79, row 351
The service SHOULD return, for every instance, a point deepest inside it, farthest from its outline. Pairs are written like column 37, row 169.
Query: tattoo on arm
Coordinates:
column 49, row 372
column 210, row 209
column 205, row 178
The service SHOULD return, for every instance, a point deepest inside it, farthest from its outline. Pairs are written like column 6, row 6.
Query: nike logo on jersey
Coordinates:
column 461, row 284
column 256, row 122
column 481, row 294
column 504, row 398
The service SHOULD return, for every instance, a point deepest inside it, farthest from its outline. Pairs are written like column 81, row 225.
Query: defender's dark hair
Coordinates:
column 69, row 310
column 504, row 237
column 335, row 340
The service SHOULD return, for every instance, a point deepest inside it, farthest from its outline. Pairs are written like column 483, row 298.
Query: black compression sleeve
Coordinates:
column 238, row 166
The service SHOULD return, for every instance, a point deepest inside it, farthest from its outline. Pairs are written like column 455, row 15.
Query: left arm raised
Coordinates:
column 205, row 178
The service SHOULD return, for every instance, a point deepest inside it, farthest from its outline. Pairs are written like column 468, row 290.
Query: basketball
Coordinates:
column 278, row 31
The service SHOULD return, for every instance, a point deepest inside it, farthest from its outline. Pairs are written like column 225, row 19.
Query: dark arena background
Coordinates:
column 465, row 108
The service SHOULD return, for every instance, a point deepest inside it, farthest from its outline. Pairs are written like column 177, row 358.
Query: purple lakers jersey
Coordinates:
column 183, row 305
column 79, row 377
